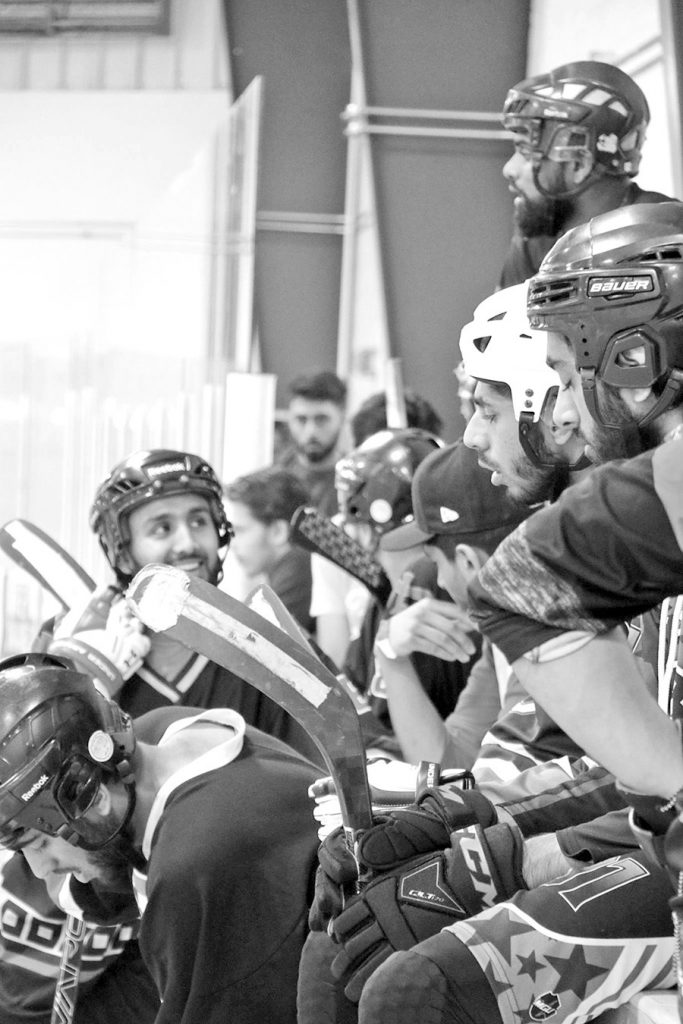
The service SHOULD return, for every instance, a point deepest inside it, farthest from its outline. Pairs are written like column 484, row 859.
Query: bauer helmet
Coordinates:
column 145, row 476
column 499, row 345
column 582, row 108
column 60, row 739
column 373, row 481
column 614, row 288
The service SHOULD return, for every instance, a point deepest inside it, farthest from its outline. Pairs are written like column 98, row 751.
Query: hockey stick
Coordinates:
column 56, row 571
column 46, row 561
column 66, row 993
column 265, row 601
column 314, row 532
column 227, row 632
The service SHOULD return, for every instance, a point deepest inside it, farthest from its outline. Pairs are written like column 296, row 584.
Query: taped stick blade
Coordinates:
column 227, row 632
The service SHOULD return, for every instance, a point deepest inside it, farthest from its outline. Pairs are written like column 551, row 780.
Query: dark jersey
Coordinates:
column 230, row 846
column 609, row 549
column 525, row 255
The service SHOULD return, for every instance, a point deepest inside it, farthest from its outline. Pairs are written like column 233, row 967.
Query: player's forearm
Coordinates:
column 596, row 694
column 417, row 724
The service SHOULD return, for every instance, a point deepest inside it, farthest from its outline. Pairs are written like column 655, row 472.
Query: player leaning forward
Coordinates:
column 209, row 820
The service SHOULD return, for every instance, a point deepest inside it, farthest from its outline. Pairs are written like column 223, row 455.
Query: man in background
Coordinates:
column 315, row 418
column 260, row 507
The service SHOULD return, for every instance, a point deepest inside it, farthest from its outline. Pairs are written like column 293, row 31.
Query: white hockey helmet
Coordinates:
column 500, row 346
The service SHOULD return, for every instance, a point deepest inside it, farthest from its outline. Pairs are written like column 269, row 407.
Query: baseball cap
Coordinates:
column 454, row 497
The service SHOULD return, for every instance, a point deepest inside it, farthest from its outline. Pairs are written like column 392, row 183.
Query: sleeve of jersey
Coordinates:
column 605, row 551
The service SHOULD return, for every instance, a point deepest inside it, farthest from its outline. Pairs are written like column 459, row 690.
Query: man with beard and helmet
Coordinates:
column 587, row 953
column 513, row 399
column 177, row 813
column 554, row 597
column 578, row 133
column 162, row 506
column 610, row 294
column 514, row 392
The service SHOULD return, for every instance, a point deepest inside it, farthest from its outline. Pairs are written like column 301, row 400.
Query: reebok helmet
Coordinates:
column 373, row 481
column 145, row 476
column 60, row 738
column 613, row 287
column 583, row 107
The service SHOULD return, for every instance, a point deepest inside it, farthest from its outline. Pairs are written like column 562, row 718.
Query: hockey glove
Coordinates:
column 103, row 638
column 397, row 837
column 407, row 905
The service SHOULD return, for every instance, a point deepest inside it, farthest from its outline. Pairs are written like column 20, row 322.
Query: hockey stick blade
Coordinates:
column 265, row 601
column 46, row 561
column 314, row 532
column 223, row 629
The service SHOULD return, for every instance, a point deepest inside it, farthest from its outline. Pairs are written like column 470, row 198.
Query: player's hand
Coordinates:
column 103, row 638
column 410, row 903
column 431, row 626
column 395, row 838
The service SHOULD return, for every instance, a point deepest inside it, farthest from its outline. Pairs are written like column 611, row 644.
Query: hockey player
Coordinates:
column 620, row 358
column 114, row 986
column 626, row 368
column 182, row 803
column 162, row 506
column 374, row 487
column 578, row 133
column 373, row 496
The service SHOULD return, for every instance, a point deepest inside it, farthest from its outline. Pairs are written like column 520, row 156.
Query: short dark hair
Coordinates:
column 319, row 387
column 371, row 415
column 269, row 494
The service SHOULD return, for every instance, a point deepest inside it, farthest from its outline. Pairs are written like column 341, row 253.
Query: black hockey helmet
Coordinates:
column 60, row 738
column 373, row 481
column 145, row 476
column 614, row 287
column 584, row 107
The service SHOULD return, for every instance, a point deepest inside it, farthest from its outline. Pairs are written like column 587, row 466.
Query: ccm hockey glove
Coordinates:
column 406, row 905
column 397, row 837
column 103, row 638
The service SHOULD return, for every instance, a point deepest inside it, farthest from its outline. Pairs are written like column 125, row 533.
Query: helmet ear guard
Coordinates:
column 612, row 287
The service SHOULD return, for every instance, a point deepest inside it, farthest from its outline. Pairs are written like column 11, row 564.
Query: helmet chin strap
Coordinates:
column 672, row 390
column 569, row 193
column 539, row 455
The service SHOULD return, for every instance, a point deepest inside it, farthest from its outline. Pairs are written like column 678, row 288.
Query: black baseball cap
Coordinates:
column 454, row 497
